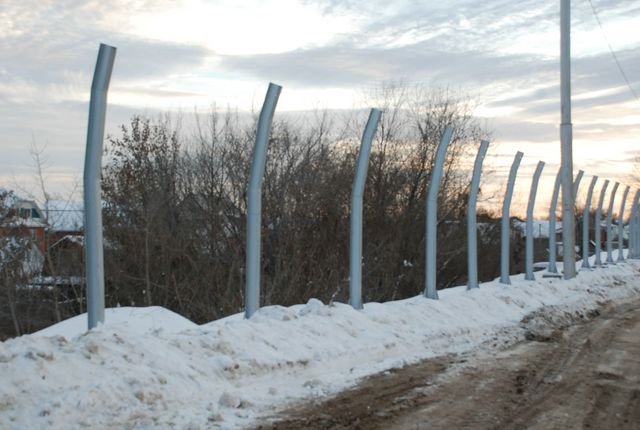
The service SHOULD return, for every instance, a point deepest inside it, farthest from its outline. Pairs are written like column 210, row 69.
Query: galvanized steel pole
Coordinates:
column 430, row 290
column 636, row 228
column 636, row 223
column 552, row 267
column 94, row 259
column 630, row 244
column 506, row 222
column 355, row 246
column 598, row 226
column 621, row 225
column 585, row 224
column 568, row 230
column 472, row 228
column 254, row 201
column 609, row 222
column 633, row 227
column 529, row 226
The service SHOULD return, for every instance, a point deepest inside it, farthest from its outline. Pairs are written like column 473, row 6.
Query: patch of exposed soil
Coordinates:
column 572, row 372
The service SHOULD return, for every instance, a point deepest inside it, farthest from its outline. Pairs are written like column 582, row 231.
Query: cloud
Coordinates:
column 135, row 59
column 504, row 53
column 345, row 65
column 508, row 130
column 53, row 47
column 431, row 44
column 144, row 59
column 596, row 81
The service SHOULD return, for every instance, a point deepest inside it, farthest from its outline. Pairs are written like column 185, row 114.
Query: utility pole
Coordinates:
column 568, row 222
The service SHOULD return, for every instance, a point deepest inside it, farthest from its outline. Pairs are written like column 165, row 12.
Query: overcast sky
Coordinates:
column 178, row 55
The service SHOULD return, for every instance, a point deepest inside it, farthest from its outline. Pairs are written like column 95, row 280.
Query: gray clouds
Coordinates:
column 56, row 43
column 345, row 65
column 504, row 53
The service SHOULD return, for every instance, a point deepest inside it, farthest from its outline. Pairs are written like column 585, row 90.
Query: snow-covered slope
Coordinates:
column 131, row 320
column 153, row 369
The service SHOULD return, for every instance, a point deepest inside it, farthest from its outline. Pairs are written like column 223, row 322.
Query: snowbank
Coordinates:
column 151, row 369
column 130, row 320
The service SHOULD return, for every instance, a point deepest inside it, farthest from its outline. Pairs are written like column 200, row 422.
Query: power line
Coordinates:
column 613, row 54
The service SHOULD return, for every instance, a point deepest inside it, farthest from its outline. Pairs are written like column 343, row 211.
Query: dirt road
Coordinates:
column 582, row 376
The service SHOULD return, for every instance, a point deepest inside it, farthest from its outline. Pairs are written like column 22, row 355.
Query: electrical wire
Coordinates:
column 613, row 53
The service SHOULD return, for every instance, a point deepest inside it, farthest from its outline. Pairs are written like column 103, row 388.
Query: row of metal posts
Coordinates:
column 93, row 219
column 430, row 291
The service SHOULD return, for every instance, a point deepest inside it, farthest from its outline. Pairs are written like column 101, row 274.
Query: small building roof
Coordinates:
column 65, row 215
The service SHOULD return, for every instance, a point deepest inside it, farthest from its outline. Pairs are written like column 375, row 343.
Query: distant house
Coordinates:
column 26, row 215
column 56, row 232
column 65, row 218
column 65, row 239
column 25, row 220
column 66, row 256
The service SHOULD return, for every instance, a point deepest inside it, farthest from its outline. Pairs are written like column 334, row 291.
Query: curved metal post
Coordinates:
column 633, row 227
column 576, row 185
column 552, row 268
column 585, row 224
column 430, row 290
column 472, row 228
column 609, row 219
column 357, row 192
column 506, row 222
column 553, row 256
column 529, row 226
column 621, row 225
column 598, row 227
column 254, row 201
column 94, row 258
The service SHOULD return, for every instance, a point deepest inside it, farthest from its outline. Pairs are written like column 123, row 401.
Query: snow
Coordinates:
column 132, row 320
column 76, row 239
column 65, row 215
column 150, row 368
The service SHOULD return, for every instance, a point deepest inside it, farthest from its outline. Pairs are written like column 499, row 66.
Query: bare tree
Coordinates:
column 140, row 191
column 414, row 120
column 175, row 213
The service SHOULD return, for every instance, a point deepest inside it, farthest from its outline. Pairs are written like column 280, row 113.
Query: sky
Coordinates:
column 190, row 54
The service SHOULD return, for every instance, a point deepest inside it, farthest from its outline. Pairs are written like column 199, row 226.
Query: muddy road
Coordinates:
column 584, row 374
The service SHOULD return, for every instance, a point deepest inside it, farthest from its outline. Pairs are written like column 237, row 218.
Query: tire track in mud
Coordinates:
column 572, row 372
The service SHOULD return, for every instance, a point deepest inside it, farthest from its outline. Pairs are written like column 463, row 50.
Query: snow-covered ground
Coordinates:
column 150, row 368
